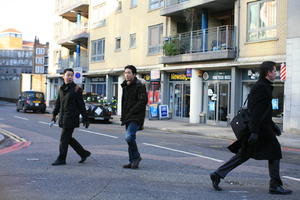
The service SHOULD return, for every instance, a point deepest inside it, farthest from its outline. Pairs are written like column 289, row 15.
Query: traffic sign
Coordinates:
column 78, row 75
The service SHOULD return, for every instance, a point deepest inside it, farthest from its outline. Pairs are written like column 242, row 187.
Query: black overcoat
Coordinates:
column 69, row 105
column 134, row 101
column 260, row 123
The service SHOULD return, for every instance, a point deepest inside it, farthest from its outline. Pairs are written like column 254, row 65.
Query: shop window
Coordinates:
column 261, row 20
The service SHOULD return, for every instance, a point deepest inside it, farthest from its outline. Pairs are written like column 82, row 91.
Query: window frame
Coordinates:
column 130, row 41
column 153, row 2
column 98, row 56
column 159, row 26
column 118, row 41
column 133, row 3
column 260, row 29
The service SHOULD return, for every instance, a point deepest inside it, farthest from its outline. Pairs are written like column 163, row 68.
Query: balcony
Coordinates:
column 216, row 43
column 175, row 7
column 69, row 62
column 68, row 34
column 68, row 9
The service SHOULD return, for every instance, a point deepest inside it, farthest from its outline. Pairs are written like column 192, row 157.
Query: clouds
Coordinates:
column 31, row 17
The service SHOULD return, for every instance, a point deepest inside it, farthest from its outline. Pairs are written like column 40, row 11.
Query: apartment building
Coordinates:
column 199, row 57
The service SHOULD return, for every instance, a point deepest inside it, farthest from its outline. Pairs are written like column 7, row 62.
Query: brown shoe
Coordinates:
column 128, row 166
column 135, row 163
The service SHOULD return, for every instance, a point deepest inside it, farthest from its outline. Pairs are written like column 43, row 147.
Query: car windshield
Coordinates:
column 92, row 98
column 34, row 95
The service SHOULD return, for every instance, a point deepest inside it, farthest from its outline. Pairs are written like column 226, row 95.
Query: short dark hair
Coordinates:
column 131, row 67
column 265, row 67
column 68, row 69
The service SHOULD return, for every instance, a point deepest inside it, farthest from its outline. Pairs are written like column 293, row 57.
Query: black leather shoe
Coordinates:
column 135, row 163
column 85, row 157
column 59, row 162
column 128, row 166
column 215, row 179
column 279, row 190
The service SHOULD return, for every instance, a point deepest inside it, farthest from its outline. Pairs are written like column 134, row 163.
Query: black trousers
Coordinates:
column 66, row 139
column 238, row 159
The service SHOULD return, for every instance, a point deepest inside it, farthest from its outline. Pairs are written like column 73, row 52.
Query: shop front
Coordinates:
column 216, row 96
column 250, row 76
column 179, row 94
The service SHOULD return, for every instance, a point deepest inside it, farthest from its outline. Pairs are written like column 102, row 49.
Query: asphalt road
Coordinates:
column 174, row 166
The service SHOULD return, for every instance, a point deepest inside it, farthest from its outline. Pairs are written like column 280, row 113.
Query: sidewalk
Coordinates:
column 176, row 126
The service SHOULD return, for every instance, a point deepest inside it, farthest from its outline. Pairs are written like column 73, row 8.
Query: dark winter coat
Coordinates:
column 260, row 123
column 134, row 101
column 69, row 105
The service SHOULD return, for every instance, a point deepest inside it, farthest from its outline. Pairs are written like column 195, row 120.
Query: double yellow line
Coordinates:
column 12, row 136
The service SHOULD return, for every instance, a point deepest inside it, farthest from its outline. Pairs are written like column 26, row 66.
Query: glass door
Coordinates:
column 180, row 100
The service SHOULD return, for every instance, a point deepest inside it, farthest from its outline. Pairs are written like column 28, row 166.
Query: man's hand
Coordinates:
column 252, row 141
column 277, row 130
column 86, row 123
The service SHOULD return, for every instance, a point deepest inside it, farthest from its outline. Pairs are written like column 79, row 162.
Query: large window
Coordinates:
column 133, row 3
column 154, row 4
column 262, row 20
column 98, row 16
column 155, row 39
column 98, row 49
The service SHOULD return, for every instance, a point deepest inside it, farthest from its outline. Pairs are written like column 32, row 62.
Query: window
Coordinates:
column 98, row 49
column 98, row 16
column 40, row 60
column 118, row 43
column 133, row 4
column 132, row 41
column 40, row 51
column 262, row 20
column 119, row 8
column 155, row 39
column 154, row 4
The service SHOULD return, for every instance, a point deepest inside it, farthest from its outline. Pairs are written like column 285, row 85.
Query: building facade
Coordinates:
column 198, row 57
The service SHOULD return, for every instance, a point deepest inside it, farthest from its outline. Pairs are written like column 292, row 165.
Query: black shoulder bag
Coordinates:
column 239, row 123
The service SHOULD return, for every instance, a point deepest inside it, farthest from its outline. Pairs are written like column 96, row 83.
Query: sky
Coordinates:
column 31, row 17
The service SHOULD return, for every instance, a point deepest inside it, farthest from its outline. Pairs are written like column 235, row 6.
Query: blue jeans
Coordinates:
column 131, row 129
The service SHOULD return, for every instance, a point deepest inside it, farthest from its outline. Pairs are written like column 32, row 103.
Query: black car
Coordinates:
column 96, row 107
column 31, row 100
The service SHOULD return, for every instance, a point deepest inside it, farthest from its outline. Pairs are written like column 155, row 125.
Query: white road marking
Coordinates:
column 184, row 152
column 47, row 123
column 101, row 134
column 291, row 178
column 21, row 118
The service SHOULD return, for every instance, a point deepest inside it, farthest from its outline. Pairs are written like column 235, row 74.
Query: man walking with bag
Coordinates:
column 261, row 143
column 69, row 105
column 134, row 101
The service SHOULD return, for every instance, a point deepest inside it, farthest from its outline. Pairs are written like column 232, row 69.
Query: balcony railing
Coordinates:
column 63, row 5
column 173, row 2
column 71, row 61
column 66, row 30
column 220, row 38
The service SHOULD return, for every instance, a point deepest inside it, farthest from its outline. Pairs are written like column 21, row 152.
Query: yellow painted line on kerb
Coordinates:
column 11, row 135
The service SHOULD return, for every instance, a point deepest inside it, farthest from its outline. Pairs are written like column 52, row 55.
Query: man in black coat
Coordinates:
column 134, row 101
column 261, row 143
column 69, row 105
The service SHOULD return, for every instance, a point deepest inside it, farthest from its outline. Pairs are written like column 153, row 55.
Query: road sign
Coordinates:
column 78, row 75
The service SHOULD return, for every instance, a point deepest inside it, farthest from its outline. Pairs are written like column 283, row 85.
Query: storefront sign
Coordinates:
column 253, row 74
column 188, row 72
column 146, row 77
column 98, row 79
column 220, row 75
column 155, row 75
column 179, row 76
column 163, row 112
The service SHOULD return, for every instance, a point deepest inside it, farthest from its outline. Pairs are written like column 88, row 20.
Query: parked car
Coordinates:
column 97, row 107
column 31, row 100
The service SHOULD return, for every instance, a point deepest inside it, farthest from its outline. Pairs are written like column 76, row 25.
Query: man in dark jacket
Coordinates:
column 69, row 105
column 261, row 143
column 134, row 100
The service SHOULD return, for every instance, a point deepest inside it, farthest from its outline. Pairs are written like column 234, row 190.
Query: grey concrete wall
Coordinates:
column 10, row 89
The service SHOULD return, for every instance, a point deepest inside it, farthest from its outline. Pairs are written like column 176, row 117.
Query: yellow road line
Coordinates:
column 11, row 135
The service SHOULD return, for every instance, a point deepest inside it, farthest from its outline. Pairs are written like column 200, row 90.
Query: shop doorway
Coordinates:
column 217, row 102
column 180, row 100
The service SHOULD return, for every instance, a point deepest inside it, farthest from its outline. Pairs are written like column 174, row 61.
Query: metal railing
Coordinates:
column 205, row 40
column 65, row 29
column 62, row 5
column 173, row 2
column 70, row 62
